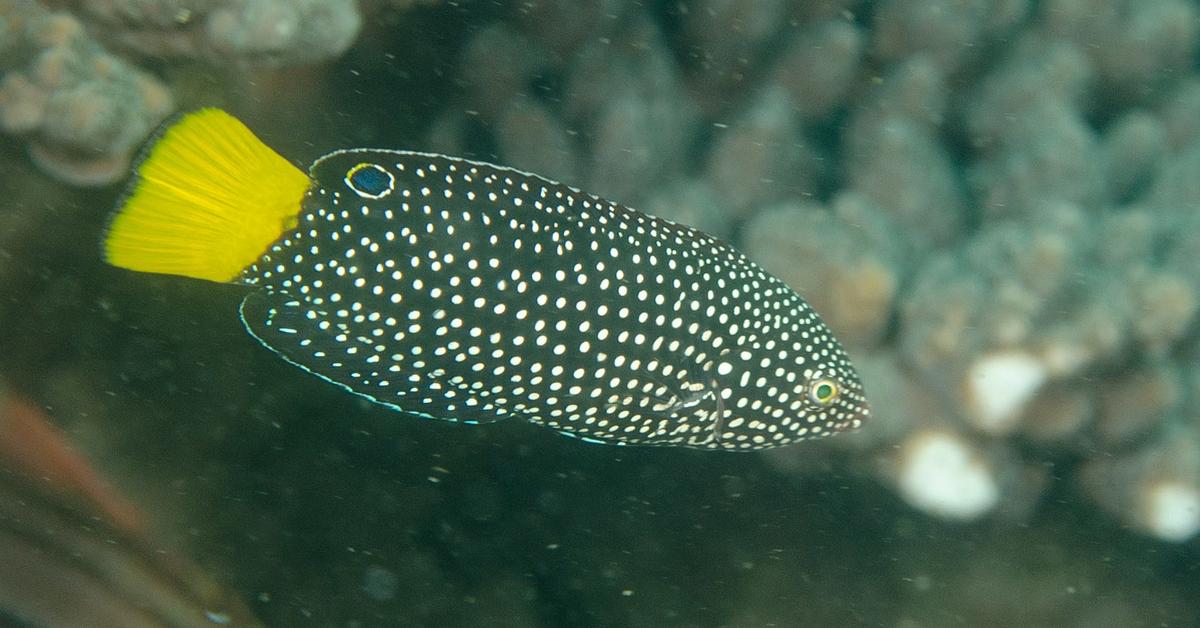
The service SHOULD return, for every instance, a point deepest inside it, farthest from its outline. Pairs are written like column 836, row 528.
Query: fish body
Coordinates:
column 463, row 291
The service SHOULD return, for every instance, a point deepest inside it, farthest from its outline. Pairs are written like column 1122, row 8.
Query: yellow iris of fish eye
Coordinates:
column 823, row 392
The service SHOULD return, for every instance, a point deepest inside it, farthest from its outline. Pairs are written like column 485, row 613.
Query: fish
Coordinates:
column 452, row 289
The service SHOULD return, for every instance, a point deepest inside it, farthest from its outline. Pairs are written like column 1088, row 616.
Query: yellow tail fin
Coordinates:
column 208, row 200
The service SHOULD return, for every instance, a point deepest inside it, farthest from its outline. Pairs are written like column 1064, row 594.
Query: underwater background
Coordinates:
column 995, row 204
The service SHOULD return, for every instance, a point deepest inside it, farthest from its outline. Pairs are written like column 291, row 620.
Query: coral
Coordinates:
column 1134, row 46
column 892, row 155
column 1179, row 113
column 819, row 67
column 939, row 472
column 960, row 304
column 1133, row 403
column 951, row 32
column 498, row 63
column 1156, row 490
column 260, row 31
column 1009, row 263
column 532, row 138
column 1058, row 415
column 563, row 26
column 1021, row 307
column 626, row 97
column 718, row 62
column 997, row 387
column 1045, row 153
column 760, row 157
column 82, row 110
column 837, row 268
column 1035, row 72
column 694, row 203
column 1027, row 122
column 1133, row 149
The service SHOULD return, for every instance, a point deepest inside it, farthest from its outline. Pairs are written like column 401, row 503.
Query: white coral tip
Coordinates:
column 943, row 475
column 998, row 386
column 1171, row 510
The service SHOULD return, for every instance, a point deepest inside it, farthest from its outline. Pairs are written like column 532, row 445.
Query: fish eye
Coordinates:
column 823, row 392
column 370, row 180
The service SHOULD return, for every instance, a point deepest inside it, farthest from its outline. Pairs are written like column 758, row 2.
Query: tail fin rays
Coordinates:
column 209, row 199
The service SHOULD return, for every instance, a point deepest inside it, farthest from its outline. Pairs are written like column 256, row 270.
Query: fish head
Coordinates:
column 850, row 408
column 833, row 395
column 367, row 175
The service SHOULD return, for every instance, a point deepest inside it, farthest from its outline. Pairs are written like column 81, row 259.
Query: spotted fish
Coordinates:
column 458, row 290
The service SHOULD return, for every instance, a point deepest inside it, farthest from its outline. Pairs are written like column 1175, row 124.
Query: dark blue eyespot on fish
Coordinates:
column 370, row 180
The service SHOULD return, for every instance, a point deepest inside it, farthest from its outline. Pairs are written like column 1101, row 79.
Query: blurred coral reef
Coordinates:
column 82, row 109
column 72, row 83
column 993, row 202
